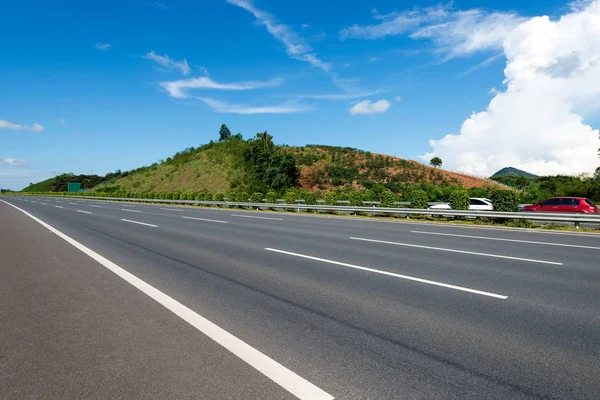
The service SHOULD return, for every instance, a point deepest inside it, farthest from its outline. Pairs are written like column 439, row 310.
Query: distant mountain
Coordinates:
column 514, row 172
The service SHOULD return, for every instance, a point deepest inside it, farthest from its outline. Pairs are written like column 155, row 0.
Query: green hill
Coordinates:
column 59, row 183
column 514, row 172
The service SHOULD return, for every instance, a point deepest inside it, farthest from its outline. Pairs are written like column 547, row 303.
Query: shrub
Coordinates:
column 271, row 197
column 175, row 196
column 208, row 196
column 257, row 197
column 310, row 199
column 290, row 197
column 356, row 199
column 505, row 200
column 331, row 198
column 218, row 197
column 459, row 200
column 418, row 199
column 388, row 199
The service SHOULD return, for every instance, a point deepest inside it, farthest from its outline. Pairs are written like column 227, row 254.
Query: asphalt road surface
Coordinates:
column 115, row 300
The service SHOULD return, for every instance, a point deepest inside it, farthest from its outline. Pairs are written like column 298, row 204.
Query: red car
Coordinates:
column 564, row 205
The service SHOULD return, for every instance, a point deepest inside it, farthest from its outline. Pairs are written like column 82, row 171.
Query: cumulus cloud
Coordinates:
column 223, row 107
column 367, row 107
column 295, row 46
column 168, row 62
column 12, row 161
column 552, row 79
column 103, row 46
column 16, row 127
column 178, row 89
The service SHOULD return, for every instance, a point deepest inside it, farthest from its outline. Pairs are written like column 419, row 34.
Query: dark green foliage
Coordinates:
column 331, row 198
column 290, row 197
column 388, row 199
column 436, row 162
column 356, row 199
column 459, row 200
column 183, row 196
column 270, row 167
column 505, row 200
column 224, row 133
column 309, row 198
column 175, row 196
column 218, row 197
column 418, row 199
column 514, row 172
column 242, row 197
column 271, row 197
column 257, row 197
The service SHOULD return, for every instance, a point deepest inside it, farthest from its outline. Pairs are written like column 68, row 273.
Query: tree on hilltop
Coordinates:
column 224, row 133
column 436, row 162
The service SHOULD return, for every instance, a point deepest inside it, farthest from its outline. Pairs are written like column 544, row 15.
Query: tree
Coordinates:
column 459, row 200
column 224, row 133
column 436, row 162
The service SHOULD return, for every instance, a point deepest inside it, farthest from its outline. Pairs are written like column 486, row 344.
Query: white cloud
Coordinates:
column 455, row 33
column 103, row 46
column 16, row 127
column 178, row 89
column 168, row 62
column 295, row 46
column 156, row 4
column 552, row 79
column 398, row 98
column 62, row 121
column 339, row 96
column 12, row 161
column 366, row 107
column 223, row 107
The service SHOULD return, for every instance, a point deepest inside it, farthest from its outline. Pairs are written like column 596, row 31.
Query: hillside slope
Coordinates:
column 514, row 172
column 220, row 167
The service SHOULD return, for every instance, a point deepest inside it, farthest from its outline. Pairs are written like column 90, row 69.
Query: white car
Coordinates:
column 476, row 204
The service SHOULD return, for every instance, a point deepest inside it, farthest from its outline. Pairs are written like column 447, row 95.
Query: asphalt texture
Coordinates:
column 361, row 308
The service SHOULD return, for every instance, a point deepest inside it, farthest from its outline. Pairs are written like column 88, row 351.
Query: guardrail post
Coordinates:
column 577, row 224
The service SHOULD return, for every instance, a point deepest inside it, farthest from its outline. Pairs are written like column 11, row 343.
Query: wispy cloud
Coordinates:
column 62, row 121
column 367, row 107
column 13, row 161
column 168, row 62
column 16, row 127
column 296, row 47
column 482, row 64
column 455, row 33
column 339, row 96
column 103, row 46
column 223, row 107
column 178, row 89
column 155, row 4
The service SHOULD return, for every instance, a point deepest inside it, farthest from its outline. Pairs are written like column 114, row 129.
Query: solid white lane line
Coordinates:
column 252, row 216
column 458, row 251
column 59, row 206
column 138, row 222
column 172, row 209
column 207, row 220
column 296, row 385
column 85, row 212
column 135, row 211
column 508, row 240
column 377, row 271
column 91, row 205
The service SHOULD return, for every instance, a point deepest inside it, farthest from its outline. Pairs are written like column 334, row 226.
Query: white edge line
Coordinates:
column 207, row 220
column 85, row 212
column 135, row 211
column 279, row 374
column 458, row 251
column 507, row 240
column 139, row 223
column 251, row 216
column 377, row 271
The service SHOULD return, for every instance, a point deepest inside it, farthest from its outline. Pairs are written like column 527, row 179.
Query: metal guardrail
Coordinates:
column 573, row 218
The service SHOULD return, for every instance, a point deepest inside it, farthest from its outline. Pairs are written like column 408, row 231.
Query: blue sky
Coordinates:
column 91, row 87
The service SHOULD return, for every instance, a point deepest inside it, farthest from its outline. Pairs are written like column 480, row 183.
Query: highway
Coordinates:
column 139, row 301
